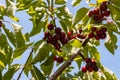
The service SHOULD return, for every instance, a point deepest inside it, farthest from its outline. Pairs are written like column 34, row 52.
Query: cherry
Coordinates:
column 96, row 11
column 46, row 35
column 54, row 58
column 62, row 35
column 60, row 59
column 78, row 35
column 91, row 35
column 57, row 45
column 57, row 30
column 90, row 69
column 94, row 29
column 106, row 13
column 69, row 35
column 103, row 7
column 103, row 29
column 56, row 37
column 84, row 70
column 80, row 31
column 73, row 36
column 90, row 14
column 105, row 2
column 50, row 26
column 88, row 60
column 0, row 23
column 98, row 17
column 50, row 39
column 95, row 68
column 103, row 36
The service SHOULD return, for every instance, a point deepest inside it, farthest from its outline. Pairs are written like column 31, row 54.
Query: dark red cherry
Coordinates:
column 50, row 26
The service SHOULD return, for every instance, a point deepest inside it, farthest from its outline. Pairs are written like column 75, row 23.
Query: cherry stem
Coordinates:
column 68, row 62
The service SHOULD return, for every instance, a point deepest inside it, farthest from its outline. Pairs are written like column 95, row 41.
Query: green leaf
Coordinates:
column 42, row 54
column 109, row 46
column 79, row 15
column 38, row 74
column 108, row 73
column 64, row 11
column 76, row 43
column 33, row 73
column 60, row 2
column 116, row 2
column 47, row 66
column 19, row 51
column 10, row 35
column 9, row 74
column 64, row 26
column 94, row 53
column 1, row 75
column 38, row 45
column 76, row 2
column 114, row 12
column 37, row 26
column 20, row 40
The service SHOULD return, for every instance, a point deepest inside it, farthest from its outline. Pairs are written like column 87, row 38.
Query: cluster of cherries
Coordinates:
column 100, row 13
column 90, row 66
column 78, row 35
column 57, row 38
column 58, row 59
column 98, row 33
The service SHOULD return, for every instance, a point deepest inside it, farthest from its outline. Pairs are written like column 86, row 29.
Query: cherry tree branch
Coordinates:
column 68, row 62
column 25, row 65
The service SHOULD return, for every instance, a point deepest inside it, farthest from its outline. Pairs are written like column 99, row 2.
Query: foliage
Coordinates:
column 47, row 56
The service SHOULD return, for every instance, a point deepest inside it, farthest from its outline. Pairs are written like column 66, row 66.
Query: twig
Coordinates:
column 25, row 64
column 68, row 62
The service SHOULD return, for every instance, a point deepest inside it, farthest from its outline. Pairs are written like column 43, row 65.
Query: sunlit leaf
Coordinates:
column 79, row 15
column 76, row 43
column 76, row 2
column 38, row 73
column 9, row 74
column 47, row 66
column 59, row 2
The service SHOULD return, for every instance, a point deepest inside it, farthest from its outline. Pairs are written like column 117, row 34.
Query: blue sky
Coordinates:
column 110, row 61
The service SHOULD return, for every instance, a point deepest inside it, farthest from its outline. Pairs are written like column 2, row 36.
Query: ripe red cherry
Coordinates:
column 80, row 31
column 57, row 30
column 84, row 70
column 54, row 58
column 105, row 2
column 46, row 35
column 103, row 36
column 78, row 35
column 106, row 13
column 0, row 23
column 103, row 7
column 94, row 29
column 95, row 69
column 90, row 69
column 88, row 60
column 60, row 59
column 69, row 34
column 90, row 14
column 98, row 17
column 50, row 26
column 91, row 35
column 96, row 11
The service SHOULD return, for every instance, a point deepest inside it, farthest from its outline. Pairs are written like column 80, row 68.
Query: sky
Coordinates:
column 107, row 59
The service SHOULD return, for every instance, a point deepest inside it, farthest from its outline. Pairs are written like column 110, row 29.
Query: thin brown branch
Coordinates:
column 68, row 62
column 25, row 65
